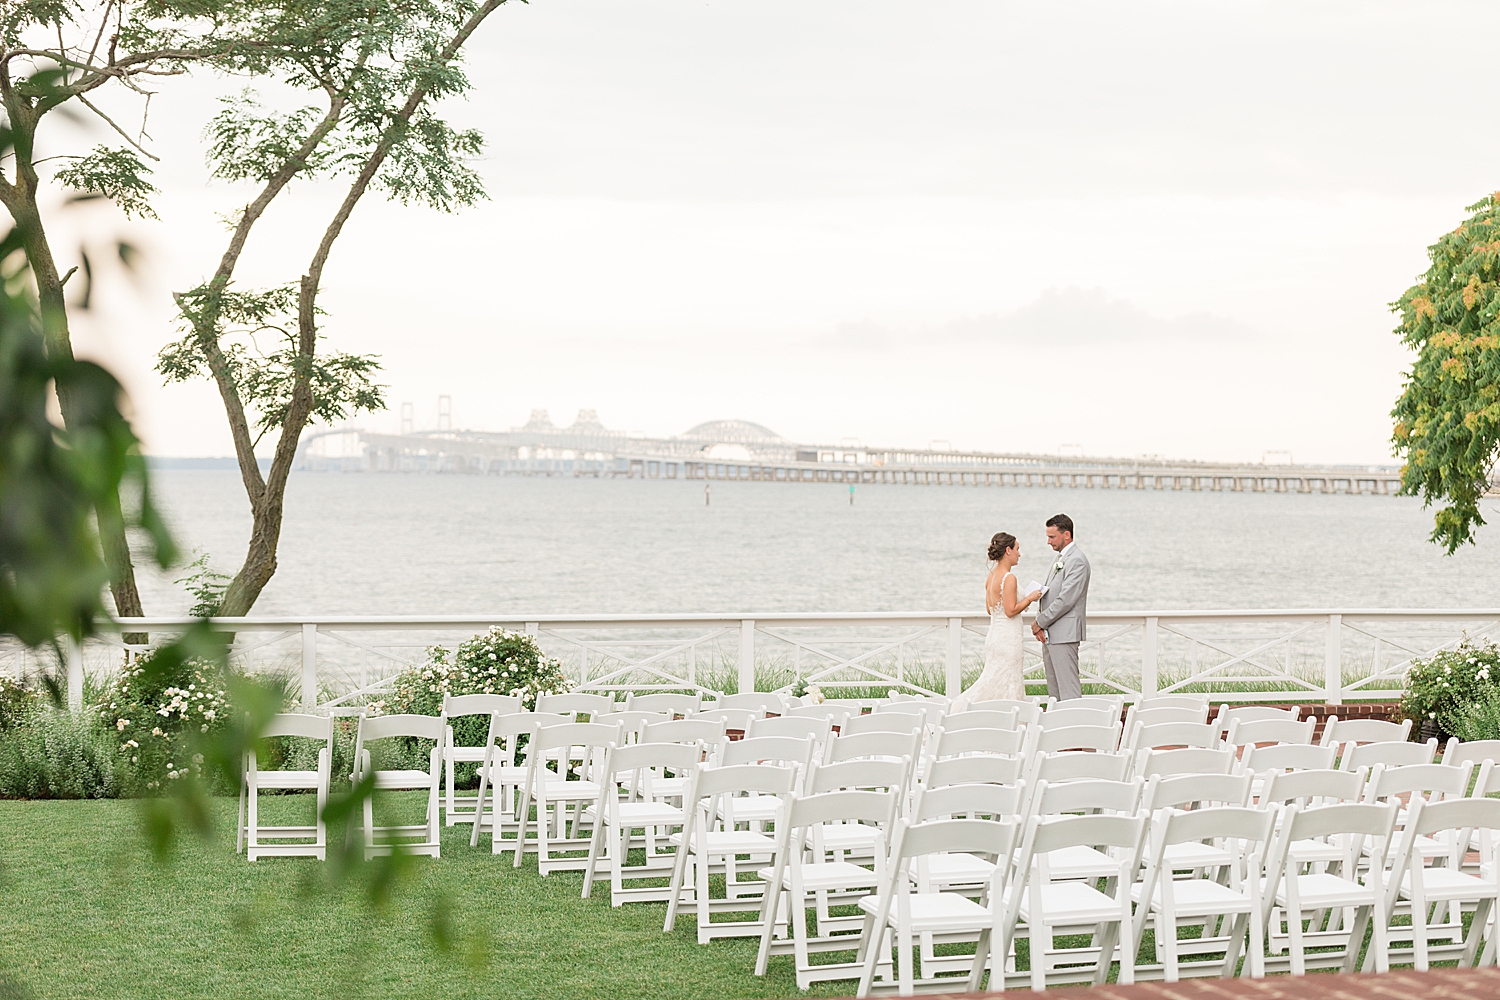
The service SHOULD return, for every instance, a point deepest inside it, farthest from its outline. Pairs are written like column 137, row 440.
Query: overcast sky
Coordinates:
column 1142, row 227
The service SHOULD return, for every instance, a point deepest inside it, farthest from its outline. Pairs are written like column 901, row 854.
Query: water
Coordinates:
column 392, row 544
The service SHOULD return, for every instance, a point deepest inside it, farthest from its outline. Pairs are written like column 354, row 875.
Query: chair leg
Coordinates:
column 252, row 813
column 1166, row 930
column 701, row 863
column 479, row 812
column 905, row 986
column 497, row 846
column 1418, row 924
column 369, row 823
column 239, row 829
column 1476, row 933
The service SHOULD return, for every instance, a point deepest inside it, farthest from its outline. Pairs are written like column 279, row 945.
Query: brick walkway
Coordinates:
column 1437, row 984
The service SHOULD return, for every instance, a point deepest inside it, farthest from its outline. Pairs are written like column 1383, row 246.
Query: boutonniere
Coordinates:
column 1057, row 566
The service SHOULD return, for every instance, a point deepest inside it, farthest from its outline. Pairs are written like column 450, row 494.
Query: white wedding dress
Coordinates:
column 1004, row 661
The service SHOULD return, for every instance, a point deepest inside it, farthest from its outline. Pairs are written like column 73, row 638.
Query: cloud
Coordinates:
column 1068, row 317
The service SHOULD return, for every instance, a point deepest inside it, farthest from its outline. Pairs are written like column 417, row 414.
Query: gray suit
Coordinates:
column 1063, row 613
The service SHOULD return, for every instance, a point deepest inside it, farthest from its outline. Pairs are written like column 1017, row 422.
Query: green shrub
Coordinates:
column 1451, row 681
column 1478, row 720
column 494, row 662
column 154, row 713
column 18, row 701
column 61, row 755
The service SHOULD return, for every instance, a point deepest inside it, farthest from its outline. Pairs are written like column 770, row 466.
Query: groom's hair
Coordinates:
column 1061, row 522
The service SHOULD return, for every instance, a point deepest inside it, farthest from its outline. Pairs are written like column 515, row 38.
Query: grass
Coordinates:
column 88, row 913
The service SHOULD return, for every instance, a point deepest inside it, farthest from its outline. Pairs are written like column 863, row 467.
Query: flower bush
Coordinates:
column 153, row 715
column 1451, row 681
column 61, row 755
column 18, row 701
column 494, row 662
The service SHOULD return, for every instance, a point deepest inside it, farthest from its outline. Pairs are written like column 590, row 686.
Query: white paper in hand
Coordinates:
column 1033, row 587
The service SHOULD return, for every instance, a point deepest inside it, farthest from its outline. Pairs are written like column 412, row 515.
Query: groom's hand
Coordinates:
column 1039, row 632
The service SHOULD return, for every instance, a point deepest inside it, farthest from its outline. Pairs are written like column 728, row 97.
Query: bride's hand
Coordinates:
column 1033, row 596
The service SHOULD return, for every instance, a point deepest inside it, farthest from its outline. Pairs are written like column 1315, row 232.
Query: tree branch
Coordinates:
column 123, row 134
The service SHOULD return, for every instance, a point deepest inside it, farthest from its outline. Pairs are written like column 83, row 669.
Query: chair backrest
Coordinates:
column 949, row 743
column 799, row 727
column 875, row 744
column 1263, row 731
column 730, row 718
column 1028, row 713
column 1288, row 757
column 999, row 801
column 906, row 706
column 981, row 768
column 1239, row 824
column 1114, row 702
column 1312, row 787
column 1061, row 718
column 1101, row 738
column 1056, row 768
column 456, row 705
column 682, row 757
column 1476, row 751
column 954, row 836
column 1168, row 713
column 883, row 722
column 755, row 701
column 1338, row 730
column 780, row 749
column 312, row 727
column 765, row 779
column 576, row 704
column 1046, row 834
column 851, row 805
column 979, row 720
column 566, row 735
column 868, row 774
column 706, row 731
column 504, row 735
column 1087, row 796
column 633, row 722
column 673, row 704
column 1426, row 779
column 1454, row 814
column 381, row 727
column 1184, row 760
column 836, row 714
column 1361, row 819
column 1173, row 701
column 1176, row 734
column 1187, row 789
column 1392, row 754
column 1228, row 714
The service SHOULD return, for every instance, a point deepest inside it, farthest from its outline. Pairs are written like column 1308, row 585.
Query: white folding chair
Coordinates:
column 575, row 704
column 559, row 798
column 1454, row 822
column 1473, row 751
column 1350, row 826
column 421, row 727
column 1227, row 715
column 502, row 775
column 1287, row 757
column 787, row 751
column 1053, row 903
column 762, row 702
column 1194, row 701
column 706, row 731
column 1175, row 734
column 1061, row 718
column 1197, row 791
column 803, row 872
column 1113, row 702
column 798, row 727
column 250, row 832
column 730, row 718
column 461, row 809
column 855, row 840
column 1086, row 796
column 888, row 745
column 1163, row 714
column 711, row 842
column 636, row 767
column 1057, row 768
column 1183, row 760
column 835, row 714
column 672, row 704
column 1340, row 731
column 1165, row 901
column 897, row 910
column 1392, row 754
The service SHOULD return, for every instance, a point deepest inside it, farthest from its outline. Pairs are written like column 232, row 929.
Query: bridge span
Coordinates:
column 739, row 450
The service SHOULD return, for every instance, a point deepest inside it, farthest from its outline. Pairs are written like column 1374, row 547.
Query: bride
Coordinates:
column 1003, row 659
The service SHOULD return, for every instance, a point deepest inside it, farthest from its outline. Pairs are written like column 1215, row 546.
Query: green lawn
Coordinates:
column 84, row 911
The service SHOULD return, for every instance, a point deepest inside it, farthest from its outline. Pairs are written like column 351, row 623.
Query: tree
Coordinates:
column 378, row 66
column 1448, row 415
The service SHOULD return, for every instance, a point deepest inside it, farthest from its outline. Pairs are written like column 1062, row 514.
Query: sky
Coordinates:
column 1122, row 228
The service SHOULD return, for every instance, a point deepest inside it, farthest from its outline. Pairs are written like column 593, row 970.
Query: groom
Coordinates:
column 1062, row 621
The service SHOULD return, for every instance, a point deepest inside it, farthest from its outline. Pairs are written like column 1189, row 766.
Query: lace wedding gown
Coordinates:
column 1003, row 661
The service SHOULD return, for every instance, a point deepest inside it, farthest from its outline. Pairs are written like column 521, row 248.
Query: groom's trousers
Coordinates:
column 1061, row 662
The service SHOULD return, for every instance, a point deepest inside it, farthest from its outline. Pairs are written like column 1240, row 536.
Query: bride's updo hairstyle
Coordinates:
column 1001, row 544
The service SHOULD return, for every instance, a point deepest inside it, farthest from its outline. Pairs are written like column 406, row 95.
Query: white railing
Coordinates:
column 1331, row 656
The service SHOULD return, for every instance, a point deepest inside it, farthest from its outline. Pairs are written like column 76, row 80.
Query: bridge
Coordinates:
column 740, row 450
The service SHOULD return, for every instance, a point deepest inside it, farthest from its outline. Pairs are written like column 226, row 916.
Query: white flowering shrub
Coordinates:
column 151, row 713
column 494, row 662
column 18, row 701
column 1452, row 681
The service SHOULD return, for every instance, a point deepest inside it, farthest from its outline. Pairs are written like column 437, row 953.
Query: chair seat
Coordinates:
column 1449, row 883
column 729, row 842
column 297, row 779
column 1081, row 862
column 752, row 808
column 387, row 780
column 570, row 790
column 936, row 912
column 956, row 867
column 468, row 755
column 1197, row 897
column 505, row 775
column 1305, row 851
column 829, row 875
column 846, row 836
column 1196, row 855
column 1322, row 890
column 633, row 814
column 1071, row 903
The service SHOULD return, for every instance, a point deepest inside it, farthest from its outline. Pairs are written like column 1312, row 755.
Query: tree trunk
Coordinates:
column 59, row 344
